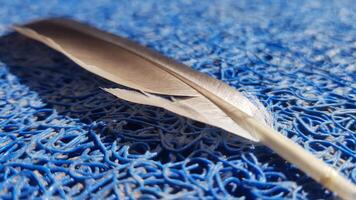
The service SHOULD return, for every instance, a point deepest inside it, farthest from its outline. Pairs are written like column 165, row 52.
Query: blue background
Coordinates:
column 61, row 136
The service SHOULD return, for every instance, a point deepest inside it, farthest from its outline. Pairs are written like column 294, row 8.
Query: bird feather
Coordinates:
column 155, row 80
column 134, row 66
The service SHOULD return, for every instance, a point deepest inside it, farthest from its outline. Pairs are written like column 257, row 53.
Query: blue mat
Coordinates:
column 62, row 137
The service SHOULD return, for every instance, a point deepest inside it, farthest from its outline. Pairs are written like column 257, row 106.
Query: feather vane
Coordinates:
column 134, row 66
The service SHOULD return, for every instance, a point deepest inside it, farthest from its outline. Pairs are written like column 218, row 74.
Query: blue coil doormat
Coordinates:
column 62, row 137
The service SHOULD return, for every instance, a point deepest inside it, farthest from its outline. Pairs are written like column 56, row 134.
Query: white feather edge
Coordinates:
column 191, row 107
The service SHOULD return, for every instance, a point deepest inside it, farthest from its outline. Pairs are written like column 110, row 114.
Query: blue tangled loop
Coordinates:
column 61, row 136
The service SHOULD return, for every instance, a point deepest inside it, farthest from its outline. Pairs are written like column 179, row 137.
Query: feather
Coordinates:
column 126, row 63
column 153, row 79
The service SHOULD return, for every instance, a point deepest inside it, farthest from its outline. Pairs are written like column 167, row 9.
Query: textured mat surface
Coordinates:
column 61, row 136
